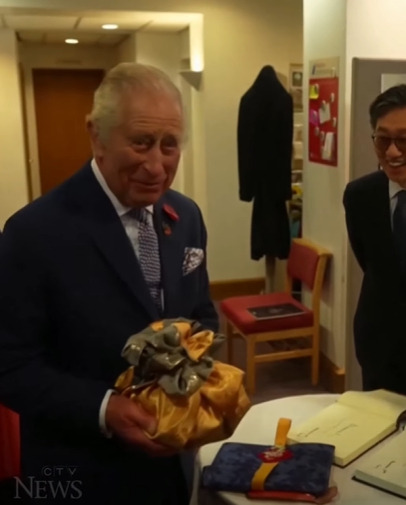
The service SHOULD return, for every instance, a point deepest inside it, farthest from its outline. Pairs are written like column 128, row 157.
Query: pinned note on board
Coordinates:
column 313, row 117
column 314, row 91
column 324, row 112
column 328, row 145
column 323, row 117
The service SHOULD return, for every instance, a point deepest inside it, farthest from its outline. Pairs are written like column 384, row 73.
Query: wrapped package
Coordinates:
column 298, row 472
column 297, row 469
column 195, row 399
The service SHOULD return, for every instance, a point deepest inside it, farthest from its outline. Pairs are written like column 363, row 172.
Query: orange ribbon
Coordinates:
column 260, row 476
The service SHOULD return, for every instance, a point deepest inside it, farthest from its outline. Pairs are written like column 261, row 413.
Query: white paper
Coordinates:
column 327, row 152
column 324, row 113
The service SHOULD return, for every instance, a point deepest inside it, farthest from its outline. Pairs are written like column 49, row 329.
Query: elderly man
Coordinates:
column 81, row 269
column 375, row 208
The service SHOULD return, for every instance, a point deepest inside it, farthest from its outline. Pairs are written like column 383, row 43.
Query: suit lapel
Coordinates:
column 381, row 214
column 102, row 223
column 381, row 228
column 171, row 250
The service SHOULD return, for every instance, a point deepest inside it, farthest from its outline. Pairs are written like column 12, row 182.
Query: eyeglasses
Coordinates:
column 382, row 143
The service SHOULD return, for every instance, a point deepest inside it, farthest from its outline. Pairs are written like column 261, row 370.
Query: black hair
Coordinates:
column 390, row 99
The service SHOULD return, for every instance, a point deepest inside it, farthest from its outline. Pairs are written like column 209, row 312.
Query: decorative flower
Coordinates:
column 170, row 212
column 275, row 454
column 167, row 229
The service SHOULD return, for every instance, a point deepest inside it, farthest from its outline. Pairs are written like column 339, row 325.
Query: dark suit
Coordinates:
column 379, row 325
column 71, row 293
column 265, row 134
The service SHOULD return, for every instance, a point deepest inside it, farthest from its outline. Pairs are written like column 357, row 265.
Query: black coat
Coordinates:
column 71, row 293
column 379, row 325
column 265, row 134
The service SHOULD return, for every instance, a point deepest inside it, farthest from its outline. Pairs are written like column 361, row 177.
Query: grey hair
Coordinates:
column 124, row 77
column 390, row 99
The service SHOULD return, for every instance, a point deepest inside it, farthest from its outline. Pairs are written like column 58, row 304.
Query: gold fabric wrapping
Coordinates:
column 207, row 398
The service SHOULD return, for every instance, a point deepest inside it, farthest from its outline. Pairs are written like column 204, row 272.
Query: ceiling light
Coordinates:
column 110, row 26
column 71, row 41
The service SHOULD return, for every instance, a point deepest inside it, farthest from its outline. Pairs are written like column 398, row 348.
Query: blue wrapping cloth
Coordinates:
column 307, row 471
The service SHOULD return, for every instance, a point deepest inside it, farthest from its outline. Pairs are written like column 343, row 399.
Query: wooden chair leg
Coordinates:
column 230, row 342
column 316, row 358
column 250, row 367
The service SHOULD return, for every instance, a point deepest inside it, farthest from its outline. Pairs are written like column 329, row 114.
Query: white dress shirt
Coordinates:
column 394, row 189
column 130, row 224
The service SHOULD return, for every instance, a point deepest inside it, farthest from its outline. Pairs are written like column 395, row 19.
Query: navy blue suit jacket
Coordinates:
column 71, row 293
column 380, row 342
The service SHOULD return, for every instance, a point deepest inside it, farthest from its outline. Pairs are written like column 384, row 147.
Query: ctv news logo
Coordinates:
column 54, row 482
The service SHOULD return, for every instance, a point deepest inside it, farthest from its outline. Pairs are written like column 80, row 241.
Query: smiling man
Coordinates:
column 375, row 207
column 81, row 270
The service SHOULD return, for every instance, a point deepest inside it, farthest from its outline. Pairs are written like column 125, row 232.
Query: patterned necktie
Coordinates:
column 399, row 229
column 148, row 254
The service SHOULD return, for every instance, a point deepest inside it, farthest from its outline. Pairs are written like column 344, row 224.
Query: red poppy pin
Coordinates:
column 170, row 212
column 166, row 228
column 173, row 216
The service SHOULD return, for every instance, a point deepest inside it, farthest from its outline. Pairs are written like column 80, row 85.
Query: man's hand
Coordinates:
column 128, row 421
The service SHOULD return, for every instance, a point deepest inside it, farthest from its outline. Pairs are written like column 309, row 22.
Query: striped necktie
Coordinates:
column 148, row 254
column 399, row 229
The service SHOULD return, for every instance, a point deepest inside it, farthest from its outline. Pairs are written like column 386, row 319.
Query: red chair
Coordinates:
column 293, row 336
column 9, row 443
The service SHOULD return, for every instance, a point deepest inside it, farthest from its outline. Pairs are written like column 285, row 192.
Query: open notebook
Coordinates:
column 353, row 424
column 386, row 467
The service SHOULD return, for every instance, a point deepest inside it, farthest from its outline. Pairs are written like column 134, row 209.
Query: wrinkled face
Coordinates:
column 390, row 144
column 140, row 158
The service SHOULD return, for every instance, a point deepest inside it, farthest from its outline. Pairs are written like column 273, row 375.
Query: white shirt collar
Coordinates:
column 120, row 208
column 394, row 188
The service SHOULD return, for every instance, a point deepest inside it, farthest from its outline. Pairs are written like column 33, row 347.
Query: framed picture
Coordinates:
column 296, row 84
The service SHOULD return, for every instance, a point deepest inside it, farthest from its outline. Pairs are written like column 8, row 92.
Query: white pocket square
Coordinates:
column 192, row 259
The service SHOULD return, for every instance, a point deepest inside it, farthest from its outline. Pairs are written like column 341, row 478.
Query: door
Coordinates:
column 62, row 100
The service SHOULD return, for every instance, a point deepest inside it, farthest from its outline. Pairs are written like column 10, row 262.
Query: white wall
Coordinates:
column 13, row 171
column 376, row 29
column 194, row 154
column 323, row 217
column 127, row 49
column 240, row 37
column 163, row 50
